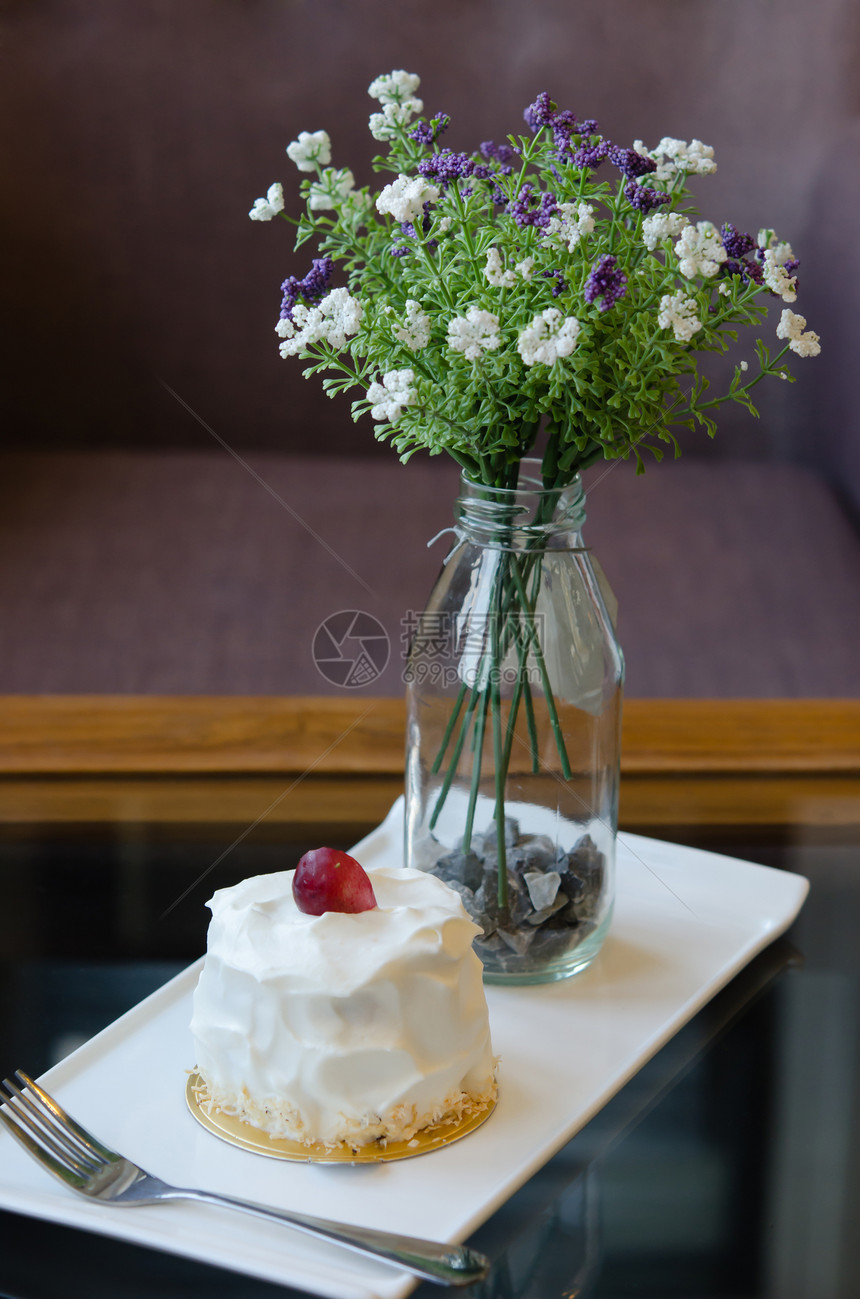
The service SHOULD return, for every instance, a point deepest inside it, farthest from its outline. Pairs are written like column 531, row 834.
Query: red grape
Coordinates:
column 329, row 880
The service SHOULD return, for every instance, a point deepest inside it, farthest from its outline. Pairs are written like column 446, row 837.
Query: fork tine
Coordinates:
column 48, row 1130
column 91, row 1143
column 61, row 1170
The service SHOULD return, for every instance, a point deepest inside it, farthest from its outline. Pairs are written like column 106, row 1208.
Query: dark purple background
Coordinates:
column 140, row 556
column 139, row 134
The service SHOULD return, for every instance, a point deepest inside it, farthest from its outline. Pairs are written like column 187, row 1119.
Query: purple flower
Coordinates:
column 423, row 133
column 544, row 112
column 605, row 282
column 311, row 288
column 446, row 167
column 560, row 286
column 752, row 270
column 540, row 113
column 748, row 270
column 590, row 155
column 500, row 153
column 565, row 120
column 735, row 243
column 291, row 294
column 428, row 132
column 564, row 125
column 643, row 198
column 631, row 163
column 532, row 208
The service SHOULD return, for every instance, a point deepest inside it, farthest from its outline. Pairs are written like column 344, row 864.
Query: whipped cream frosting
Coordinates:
column 343, row 1027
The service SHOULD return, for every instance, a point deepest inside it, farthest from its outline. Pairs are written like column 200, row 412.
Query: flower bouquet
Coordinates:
column 528, row 308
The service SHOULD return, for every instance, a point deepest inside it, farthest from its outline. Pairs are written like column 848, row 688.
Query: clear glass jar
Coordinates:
column 514, row 687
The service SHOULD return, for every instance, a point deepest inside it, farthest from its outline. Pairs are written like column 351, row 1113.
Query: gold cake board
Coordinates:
column 239, row 1133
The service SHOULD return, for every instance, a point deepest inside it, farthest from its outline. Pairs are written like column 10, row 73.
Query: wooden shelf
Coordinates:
column 298, row 764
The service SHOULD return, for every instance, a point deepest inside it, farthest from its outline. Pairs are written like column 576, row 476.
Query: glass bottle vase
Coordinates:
column 514, row 688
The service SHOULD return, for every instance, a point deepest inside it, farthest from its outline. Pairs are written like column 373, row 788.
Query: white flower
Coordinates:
column 395, row 87
column 526, row 267
column 678, row 313
column 549, row 336
column 474, row 333
column 342, row 314
column 405, row 197
column 700, row 250
column 334, row 187
column 415, row 330
column 393, row 395
column 791, row 327
column 294, row 331
column 672, row 156
column 744, row 365
column 782, row 253
column 569, row 224
column 699, row 159
column 396, row 93
column 332, row 321
column 445, row 225
column 383, row 126
column 777, row 278
column 310, row 150
column 665, row 170
column 266, row 208
column 662, row 225
column 498, row 277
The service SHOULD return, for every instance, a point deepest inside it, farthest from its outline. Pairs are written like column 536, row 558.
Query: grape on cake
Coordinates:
column 329, row 1026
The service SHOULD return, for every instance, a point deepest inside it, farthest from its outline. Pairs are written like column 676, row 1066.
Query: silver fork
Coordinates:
column 83, row 1163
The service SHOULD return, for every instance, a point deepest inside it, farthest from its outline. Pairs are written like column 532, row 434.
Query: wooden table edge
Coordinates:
column 76, row 735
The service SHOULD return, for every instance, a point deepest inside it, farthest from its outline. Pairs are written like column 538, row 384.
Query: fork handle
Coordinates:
column 445, row 1264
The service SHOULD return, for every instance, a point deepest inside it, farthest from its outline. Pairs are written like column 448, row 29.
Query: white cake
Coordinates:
column 343, row 1027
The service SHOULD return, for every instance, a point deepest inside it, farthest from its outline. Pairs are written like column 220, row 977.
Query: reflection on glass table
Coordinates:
column 727, row 1167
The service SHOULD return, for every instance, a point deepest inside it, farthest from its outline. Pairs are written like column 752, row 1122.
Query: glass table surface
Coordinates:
column 728, row 1166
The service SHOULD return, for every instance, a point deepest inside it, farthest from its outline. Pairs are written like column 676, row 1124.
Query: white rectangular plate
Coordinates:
column 685, row 922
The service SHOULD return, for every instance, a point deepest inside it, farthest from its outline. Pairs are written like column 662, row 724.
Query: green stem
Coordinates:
column 501, row 771
column 455, row 758
column 549, row 464
column 547, row 687
column 512, row 715
column 480, row 724
column 730, row 396
column 513, row 623
column 464, row 461
column 532, row 725
column 461, row 209
column 438, row 271
column 455, row 713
